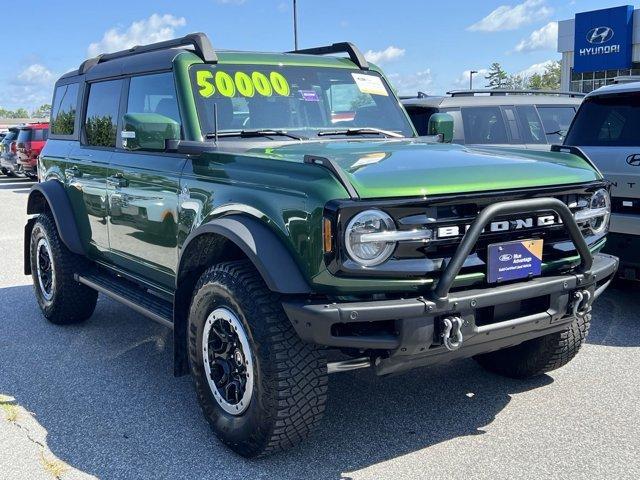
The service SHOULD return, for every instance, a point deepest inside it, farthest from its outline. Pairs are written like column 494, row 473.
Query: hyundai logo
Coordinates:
column 505, row 257
column 634, row 160
column 599, row 35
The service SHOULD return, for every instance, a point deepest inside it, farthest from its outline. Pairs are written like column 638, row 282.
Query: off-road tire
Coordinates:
column 290, row 376
column 72, row 302
column 540, row 355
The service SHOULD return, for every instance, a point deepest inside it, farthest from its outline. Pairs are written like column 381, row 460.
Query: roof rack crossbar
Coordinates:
column 508, row 91
column 199, row 41
column 354, row 53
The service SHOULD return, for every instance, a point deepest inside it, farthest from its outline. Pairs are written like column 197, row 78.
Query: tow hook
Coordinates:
column 452, row 333
column 581, row 304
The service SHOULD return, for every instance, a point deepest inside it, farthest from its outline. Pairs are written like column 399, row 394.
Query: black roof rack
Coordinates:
column 355, row 55
column 199, row 41
column 419, row 95
column 506, row 91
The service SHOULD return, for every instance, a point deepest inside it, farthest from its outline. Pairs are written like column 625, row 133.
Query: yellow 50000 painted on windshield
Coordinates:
column 241, row 83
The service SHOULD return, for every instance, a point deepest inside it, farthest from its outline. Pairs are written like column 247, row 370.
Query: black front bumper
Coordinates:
column 405, row 333
column 413, row 340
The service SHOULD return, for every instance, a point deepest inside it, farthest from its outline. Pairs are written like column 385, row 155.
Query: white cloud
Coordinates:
column 512, row 17
column 36, row 74
column 542, row 39
column 156, row 28
column 389, row 53
column 410, row 84
column 538, row 68
column 462, row 82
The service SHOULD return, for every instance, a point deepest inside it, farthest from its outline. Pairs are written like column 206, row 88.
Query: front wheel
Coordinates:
column 539, row 355
column 260, row 387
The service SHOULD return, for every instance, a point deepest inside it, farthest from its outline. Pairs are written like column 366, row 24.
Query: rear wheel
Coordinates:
column 540, row 355
column 260, row 387
column 61, row 299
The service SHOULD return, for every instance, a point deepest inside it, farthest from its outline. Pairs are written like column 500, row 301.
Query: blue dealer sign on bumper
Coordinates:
column 514, row 260
column 603, row 39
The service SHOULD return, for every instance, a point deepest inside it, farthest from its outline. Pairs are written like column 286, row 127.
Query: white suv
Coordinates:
column 607, row 129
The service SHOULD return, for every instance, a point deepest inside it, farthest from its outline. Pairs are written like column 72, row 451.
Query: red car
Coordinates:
column 31, row 139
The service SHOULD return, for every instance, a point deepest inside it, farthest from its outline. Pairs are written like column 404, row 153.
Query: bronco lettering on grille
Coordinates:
column 451, row 231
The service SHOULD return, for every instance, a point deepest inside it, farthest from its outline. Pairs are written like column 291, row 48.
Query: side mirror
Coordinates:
column 148, row 131
column 441, row 124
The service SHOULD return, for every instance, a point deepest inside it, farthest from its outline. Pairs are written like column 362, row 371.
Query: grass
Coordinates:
column 10, row 409
column 55, row 467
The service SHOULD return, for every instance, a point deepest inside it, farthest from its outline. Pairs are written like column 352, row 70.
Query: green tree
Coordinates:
column 515, row 82
column 496, row 76
column 547, row 80
column 21, row 113
column 42, row 111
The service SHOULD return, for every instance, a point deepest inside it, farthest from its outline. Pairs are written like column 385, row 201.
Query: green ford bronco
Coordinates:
column 278, row 212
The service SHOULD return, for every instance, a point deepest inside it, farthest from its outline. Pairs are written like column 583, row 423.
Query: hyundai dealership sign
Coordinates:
column 603, row 39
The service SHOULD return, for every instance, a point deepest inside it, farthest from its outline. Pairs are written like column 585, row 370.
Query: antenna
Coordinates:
column 215, row 123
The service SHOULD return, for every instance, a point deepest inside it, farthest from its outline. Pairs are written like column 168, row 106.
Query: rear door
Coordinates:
column 607, row 128
column 88, row 162
column 143, row 187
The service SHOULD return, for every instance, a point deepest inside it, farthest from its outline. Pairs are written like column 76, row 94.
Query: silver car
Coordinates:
column 607, row 129
column 520, row 118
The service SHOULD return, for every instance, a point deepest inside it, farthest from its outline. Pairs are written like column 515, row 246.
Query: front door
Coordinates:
column 143, row 188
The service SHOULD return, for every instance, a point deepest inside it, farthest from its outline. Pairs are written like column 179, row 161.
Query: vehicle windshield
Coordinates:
column 305, row 101
column 607, row 120
column 25, row 135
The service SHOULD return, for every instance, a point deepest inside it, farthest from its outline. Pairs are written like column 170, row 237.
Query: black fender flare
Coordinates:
column 262, row 246
column 58, row 202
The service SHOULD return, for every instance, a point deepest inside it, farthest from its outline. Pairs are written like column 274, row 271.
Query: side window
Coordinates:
column 484, row 125
column 512, row 124
column 420, row 118
column 530, row 124
column 154, row 94
column 101, row 121
column 556, row 121
column 63, row 112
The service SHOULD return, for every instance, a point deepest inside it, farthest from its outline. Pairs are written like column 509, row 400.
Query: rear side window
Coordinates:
column 40, row 134
column 607, row 120
column 556, row 122
column 484, row 125
column 154, row 94
column 63, row 111
column 530, row 124
column 101, row 121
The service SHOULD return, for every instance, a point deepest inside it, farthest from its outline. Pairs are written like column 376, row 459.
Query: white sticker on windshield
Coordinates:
column 370, row 84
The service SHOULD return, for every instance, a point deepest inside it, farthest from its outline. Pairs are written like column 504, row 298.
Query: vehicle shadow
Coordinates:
column 105, row 394
column 613, row 324
column 15, row 183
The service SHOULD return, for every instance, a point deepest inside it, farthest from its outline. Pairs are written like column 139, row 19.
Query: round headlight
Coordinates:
column 364, row 238
column 600, row 201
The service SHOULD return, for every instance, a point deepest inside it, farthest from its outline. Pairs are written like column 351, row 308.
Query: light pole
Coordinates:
column 471, row 72
column 295, row 25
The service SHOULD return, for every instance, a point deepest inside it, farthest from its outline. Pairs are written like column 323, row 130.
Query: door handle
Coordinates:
column 117, row 180
column 72, row 172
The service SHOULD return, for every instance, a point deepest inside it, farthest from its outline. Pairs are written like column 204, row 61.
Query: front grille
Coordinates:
column 428, row 259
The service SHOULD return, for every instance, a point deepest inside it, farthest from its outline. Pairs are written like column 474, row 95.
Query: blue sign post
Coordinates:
column 603, row 39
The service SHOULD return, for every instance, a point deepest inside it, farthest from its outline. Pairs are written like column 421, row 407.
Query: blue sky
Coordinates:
column 426, row 45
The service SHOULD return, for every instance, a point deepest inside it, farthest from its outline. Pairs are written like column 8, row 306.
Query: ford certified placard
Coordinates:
column 514, row 260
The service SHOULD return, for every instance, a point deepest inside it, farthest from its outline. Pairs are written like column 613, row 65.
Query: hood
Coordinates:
column 411, row 168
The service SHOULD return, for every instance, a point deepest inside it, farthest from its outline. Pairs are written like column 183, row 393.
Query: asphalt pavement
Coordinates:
column 99, row 400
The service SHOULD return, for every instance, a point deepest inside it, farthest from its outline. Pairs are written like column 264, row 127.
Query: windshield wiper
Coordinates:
column 557, row 132
column 263, row 132
column 361, row 131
